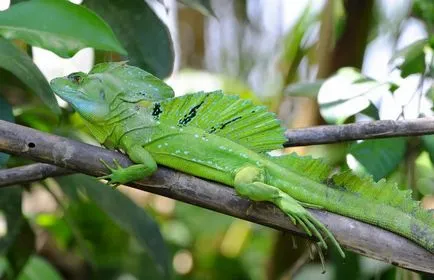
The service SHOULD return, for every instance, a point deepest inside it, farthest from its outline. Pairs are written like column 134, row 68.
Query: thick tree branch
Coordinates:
column 354, row 235
column 296, row 137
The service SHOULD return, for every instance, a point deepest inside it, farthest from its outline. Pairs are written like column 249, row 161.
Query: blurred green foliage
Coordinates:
column 116, row 235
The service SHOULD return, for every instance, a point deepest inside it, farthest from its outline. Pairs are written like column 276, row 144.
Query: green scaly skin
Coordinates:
column 129, row 109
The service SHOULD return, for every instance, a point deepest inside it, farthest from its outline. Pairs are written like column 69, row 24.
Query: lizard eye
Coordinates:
column 75, row 77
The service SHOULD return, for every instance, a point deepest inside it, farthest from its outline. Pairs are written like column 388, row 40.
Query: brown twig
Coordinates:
column 354, row 235
column 325, row 134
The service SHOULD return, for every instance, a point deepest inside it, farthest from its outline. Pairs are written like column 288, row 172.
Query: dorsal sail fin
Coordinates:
column 314, row 169
column 225, row 115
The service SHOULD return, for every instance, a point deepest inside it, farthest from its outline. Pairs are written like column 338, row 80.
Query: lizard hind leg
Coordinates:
column 249, row 182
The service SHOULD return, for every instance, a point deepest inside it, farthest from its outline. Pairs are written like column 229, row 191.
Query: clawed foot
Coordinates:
column 311, row 225
column 116, row 177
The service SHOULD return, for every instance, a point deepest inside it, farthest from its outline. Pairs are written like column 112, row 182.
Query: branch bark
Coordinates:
column 326, row 134
column 356, row 236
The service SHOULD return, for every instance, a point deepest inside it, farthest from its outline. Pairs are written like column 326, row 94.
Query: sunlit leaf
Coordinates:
column 424, row 167
column 125, row 214
column 37, row 268
column 59, row 229
column 381, row 156
column 203, row 6
column 348, row 93
column 304, row 89
column 58, row 26
column 295, row 44
column 144, row 35
column 428, row 144
column 411, row 60
column 293, row 39
column 19, row 64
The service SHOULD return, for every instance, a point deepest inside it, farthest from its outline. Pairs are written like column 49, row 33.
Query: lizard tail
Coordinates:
column 380, row 203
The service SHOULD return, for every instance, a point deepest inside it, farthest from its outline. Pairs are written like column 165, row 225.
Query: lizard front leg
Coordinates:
column 145, row 166
column 249, row 182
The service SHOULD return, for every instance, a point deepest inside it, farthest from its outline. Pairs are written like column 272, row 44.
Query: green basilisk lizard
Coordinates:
column 226, row 139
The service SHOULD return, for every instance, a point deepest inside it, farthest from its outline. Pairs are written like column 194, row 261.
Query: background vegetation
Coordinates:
column 311, row 62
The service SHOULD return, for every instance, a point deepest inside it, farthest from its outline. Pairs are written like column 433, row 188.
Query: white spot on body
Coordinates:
column 166, row 144
column 177, row 151
column 222, row 148
column 159, row 146
column 196, row 136
column 186, row 152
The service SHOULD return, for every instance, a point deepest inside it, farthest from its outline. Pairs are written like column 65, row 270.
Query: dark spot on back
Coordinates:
column 102, row 94
column 223, row 125
column 190, row 115
column 156, row 111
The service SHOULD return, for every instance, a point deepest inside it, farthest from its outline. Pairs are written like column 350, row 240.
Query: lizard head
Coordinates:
column 93, row 95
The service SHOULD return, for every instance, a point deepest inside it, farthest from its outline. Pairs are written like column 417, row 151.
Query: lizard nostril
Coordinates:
column 31, row 145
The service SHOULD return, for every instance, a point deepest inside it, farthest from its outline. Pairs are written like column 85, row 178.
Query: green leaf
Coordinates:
column 125, row 214
column 10, row 207
column 424, row 9
column 38, row 118
column 294, row 47
column 348, row 93
column 203, row 6
column 58, row 26
column 19, row 64
column 371, row 111
column 413, row 58
column 58, row 228
column 13, row 2
column 6, row 115
column 428, row 145
column 351, row 266
column 37, row 268
column 304, row 89
column 379, row 157
column 145, row 36
column 18, row 243
column 22, row 248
